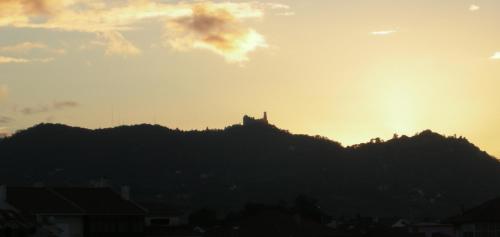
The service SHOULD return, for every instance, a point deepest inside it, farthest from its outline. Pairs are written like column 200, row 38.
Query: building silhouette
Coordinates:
column 247, row 120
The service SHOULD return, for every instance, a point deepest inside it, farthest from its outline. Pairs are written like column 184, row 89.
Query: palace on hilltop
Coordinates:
column 247, row 120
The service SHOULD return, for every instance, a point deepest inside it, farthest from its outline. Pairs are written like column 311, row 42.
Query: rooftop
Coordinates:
column 70, row 201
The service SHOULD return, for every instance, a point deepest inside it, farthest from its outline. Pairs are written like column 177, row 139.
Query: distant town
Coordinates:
column 103, row 212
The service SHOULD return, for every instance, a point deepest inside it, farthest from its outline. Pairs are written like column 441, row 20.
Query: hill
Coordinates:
column 424, row 175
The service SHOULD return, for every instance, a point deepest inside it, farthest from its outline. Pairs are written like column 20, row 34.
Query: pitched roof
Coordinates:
column 486, row 212
column 160, row 209
column 41, row 201
column 13, row 220
column 71, row 201
column 102, row 201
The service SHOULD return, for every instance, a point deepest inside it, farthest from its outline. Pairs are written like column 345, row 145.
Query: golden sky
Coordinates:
column 348, row 70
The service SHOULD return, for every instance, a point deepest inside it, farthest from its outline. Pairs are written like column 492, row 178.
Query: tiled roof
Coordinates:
column 40, row 201
column 160, row 209
column 486, row 212
column 101, row 201
column 71, row 201
column 12, row 219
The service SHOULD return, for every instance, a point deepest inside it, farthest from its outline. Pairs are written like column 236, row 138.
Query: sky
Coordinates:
column 347, row 70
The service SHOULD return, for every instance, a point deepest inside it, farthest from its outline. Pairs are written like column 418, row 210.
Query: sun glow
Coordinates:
column 399, row 106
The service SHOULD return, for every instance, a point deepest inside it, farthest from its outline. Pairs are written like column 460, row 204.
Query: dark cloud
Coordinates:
column 5, row 119
column 65, row 104
column 59, row 105
column 35, row 110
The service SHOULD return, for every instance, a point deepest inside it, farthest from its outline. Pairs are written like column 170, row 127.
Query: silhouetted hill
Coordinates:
column 424, row 175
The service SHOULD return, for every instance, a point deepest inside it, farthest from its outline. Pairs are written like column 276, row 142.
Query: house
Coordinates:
column 401, row 223
column 163, row 215
column 433, row 229
column 483, row 220
column 13, row 224
column 78, row 212
column 163, row 220
column 272, row 223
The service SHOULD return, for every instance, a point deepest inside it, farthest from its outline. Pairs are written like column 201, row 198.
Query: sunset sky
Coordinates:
column 348, row 70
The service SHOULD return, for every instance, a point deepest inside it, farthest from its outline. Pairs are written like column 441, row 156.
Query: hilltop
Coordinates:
column 424, row 175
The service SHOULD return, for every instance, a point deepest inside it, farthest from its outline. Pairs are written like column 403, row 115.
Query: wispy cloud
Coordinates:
column 23, row 47
column 190, row 25
column 5, row 119
column 284, row 9
column 496, row 56
column 474, row 8
column 384, row 32
column 59, row 105
column 35, row 110
column 116, row 44
column 65, row 104
column 7, row 60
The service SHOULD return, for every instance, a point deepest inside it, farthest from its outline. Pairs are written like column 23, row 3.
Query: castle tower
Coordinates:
column 265, row 117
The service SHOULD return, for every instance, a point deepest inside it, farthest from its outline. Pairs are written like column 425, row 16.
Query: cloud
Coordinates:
column 23, row 47
column 218, row 27
column 21, row 12
column 35, row 110
column 116, row 44
column 65, row 104
column 496, row 56
column 7, row 60
column 43, row 60
column 215, row 28
column 26, row 47
column 59, row 105
column 383, row 33
column 285, row 9
column 474, row 8
column 5, row 119
column 286, row 14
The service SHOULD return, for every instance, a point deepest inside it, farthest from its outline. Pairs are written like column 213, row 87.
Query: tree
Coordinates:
column 308, row 207
column 203, row 218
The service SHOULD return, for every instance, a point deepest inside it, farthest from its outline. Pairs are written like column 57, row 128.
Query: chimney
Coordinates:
column 125, row 193
column 3, row 193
